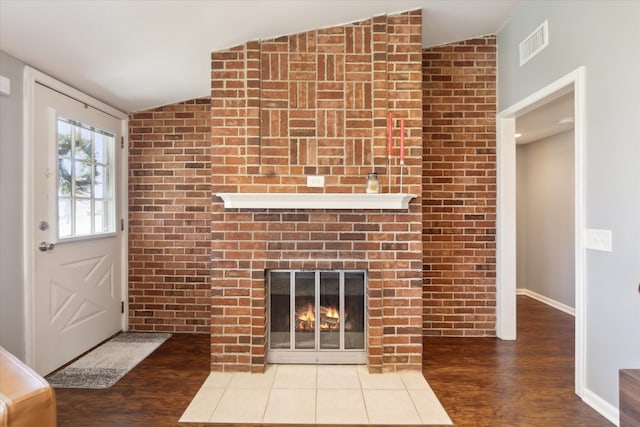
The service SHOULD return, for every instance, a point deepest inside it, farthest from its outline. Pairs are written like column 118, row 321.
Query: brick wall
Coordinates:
column 170, row 174
column 169, row 218
column 316, row 103
column 459, row 188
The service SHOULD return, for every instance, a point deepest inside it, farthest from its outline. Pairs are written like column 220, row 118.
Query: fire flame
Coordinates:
column 329, row 318
column 306, row 319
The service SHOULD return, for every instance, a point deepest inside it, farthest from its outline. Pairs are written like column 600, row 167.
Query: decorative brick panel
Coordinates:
column 316, row 103
column 169, row 218
column 459, row 188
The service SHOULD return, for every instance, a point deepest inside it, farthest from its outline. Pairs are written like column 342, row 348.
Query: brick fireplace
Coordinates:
column 317, row 103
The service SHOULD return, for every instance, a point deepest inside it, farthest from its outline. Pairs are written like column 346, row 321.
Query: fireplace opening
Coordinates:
column 317, row 316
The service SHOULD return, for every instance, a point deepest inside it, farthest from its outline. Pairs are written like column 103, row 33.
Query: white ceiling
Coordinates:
column 138, row 54
column 552, row 118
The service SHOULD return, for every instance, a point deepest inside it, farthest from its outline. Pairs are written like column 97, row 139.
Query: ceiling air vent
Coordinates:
column 534, row 43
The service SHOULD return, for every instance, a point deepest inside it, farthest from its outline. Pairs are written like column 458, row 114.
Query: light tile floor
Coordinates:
column 309, row 394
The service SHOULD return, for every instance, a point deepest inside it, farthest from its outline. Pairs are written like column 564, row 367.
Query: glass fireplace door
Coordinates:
column 330, row 311
column 317, row 317
column 305, row 310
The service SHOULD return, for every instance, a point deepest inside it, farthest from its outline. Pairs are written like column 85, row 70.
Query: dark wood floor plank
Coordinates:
column 154, row 393
column 527, row 382
column 480, row 381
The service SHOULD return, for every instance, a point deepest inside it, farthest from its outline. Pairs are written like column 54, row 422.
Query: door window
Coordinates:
column 85, row 180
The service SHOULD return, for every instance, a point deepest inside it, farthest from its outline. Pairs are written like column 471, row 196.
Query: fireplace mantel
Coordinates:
column 315, row 200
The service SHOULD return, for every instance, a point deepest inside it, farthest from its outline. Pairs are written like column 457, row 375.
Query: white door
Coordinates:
column 77, row 233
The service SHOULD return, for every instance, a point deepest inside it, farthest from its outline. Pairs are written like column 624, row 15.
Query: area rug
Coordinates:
column 105, row 365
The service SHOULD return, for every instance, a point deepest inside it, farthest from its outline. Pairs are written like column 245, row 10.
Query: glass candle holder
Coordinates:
column 373, row 185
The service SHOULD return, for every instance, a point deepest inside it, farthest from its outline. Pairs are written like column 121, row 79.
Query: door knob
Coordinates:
column 46, row 246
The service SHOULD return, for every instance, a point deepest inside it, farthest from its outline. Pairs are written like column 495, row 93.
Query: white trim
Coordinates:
column 31, row 77
column 506, row 230
column 51, row 83
column 603, row 407
column 27, row 212
column 124, row 212
column 546, row 300
column 505, row 253
column 315, row 200
column 580, row 126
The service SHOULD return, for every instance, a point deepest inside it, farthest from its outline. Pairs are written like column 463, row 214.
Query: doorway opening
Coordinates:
column 506, row 259
column 545, row 197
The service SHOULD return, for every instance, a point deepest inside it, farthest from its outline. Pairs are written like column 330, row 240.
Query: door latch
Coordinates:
column 46, row 246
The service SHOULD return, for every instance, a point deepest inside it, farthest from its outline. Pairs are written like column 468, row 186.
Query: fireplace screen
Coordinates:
column 317, row 317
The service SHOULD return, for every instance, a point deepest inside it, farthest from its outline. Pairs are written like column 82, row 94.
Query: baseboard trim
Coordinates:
column 550, row 302
column 604, row 408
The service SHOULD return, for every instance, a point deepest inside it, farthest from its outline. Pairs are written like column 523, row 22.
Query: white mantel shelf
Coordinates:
column 315, row 200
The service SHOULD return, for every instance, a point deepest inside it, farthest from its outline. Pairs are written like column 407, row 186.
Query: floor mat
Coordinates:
column 105, row 365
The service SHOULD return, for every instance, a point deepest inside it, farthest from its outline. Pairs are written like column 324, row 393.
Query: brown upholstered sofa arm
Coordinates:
column 26, row 399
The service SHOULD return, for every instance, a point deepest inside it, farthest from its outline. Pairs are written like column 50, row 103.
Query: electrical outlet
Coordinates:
column 315, row 181
column 599, row 240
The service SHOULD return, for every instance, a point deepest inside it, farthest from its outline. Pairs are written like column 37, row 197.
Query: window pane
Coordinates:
column 64, row 218
column 280, row 301
column 64, row 138
column 101, row 217
column 101, row 144
column 64, row 177
column 101, row 182
column 83, row 217
column 85, row 197
column 82, row 144
column 83, row 179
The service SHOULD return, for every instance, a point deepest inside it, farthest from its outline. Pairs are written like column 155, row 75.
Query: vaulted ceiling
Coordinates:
column 139, row 54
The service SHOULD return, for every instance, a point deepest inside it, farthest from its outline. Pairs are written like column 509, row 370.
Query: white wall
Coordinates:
column 603, row 36
column 545, row 218
column 11, row 289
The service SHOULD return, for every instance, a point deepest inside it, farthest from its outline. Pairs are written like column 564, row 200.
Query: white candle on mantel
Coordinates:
column 402, row 141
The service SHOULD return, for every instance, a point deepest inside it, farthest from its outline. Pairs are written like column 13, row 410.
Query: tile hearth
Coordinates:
column 323, row 394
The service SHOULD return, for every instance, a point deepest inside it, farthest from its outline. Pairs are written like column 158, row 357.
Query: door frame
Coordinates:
column 506, row 212
column 31, row 78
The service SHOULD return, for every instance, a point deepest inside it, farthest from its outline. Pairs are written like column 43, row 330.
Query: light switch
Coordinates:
column 315, row 180
column 599, row 240
column 5, row 86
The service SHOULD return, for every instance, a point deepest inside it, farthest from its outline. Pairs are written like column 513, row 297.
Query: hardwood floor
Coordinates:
column 154, row 393
column 527, row 382
column 480, row 381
